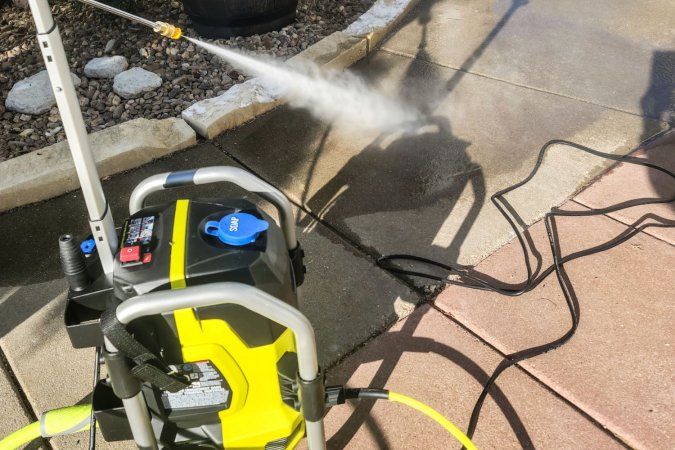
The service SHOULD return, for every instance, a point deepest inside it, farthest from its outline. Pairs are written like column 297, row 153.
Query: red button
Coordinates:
column 147, row 258
column 130, row 254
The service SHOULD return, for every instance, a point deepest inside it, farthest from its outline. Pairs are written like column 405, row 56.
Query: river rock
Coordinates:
column 106, row 67
column 34, row 95
column 134, row 82
column 110, row 46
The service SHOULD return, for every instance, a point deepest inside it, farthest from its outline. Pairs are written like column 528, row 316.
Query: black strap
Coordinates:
column 148, row 367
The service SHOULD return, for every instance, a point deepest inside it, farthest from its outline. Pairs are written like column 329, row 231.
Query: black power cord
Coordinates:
column 92, row 417
column 472, row 281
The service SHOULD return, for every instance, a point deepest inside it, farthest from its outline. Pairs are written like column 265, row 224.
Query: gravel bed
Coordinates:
column 188, row 75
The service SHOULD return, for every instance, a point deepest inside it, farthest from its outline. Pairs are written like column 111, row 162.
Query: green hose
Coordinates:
column 57, row 422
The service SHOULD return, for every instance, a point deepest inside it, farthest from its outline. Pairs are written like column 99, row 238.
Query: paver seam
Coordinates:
column 23, row 400
column 374, row 335
column 536, row 379
column 623, row 224
column 615, row 435
column 524, row 86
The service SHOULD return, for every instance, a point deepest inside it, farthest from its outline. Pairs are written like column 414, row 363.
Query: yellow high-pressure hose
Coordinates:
column 57, row 422
column 21, row 437
column 430, row 412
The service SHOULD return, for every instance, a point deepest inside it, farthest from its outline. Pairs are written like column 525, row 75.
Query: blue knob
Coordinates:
column 88, row 246
column 236, row 229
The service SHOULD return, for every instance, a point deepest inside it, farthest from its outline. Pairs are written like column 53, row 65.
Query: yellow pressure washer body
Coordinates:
column 238, row 368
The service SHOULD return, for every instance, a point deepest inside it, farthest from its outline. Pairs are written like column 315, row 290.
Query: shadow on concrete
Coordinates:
column 478, row 52
column 30, row 271
column 405, row 341
column 385, row 178
column 658, row 102
column 417, row 169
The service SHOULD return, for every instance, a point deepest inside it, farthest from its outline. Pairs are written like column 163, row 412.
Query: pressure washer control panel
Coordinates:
column 136, row 242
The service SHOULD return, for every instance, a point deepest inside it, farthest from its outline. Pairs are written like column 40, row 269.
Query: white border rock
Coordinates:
column 239, row 104
column 48, row 172
column 379, row 19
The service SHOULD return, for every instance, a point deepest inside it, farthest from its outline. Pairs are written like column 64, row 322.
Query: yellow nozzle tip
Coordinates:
column 167, row 30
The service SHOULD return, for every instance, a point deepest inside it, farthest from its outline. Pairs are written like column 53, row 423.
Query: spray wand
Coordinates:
column 163, row 28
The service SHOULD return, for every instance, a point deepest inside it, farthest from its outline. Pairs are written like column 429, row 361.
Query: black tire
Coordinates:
column 227, row 18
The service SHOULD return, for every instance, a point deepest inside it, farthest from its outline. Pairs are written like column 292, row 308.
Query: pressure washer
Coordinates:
column 191, row 305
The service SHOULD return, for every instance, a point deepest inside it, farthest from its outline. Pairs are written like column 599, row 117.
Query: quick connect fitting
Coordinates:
column 69, row 420
column 167, row 30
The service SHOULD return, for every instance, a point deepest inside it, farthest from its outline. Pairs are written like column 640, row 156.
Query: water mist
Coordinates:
column 336, row 97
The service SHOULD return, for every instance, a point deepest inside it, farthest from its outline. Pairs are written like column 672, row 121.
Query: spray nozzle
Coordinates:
column 167, row 30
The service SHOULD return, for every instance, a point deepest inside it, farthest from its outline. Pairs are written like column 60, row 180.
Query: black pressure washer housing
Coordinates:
column 266, row 263
column 251, row 264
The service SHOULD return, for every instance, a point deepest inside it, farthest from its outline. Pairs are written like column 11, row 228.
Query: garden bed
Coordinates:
column 188, row 74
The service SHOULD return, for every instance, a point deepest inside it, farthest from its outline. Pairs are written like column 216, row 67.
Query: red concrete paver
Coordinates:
column 618, row 367
column 629, row 181
column 430, row 358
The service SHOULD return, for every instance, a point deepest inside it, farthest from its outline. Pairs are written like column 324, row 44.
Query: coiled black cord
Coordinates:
column 472, row 281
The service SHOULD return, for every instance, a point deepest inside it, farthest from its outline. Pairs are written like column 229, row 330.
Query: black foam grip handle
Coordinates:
column 180, row 178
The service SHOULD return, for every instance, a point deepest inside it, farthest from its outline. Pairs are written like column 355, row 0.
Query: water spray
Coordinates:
column 340, row 98
column 163, row 28
column 337, row 97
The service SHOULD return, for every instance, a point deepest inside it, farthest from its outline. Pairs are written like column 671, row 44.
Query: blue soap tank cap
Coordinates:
column 236, row 229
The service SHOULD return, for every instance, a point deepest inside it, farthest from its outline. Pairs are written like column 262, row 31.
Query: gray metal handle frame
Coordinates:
column 100, row 219
column 206, row 175
column 253, row 299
